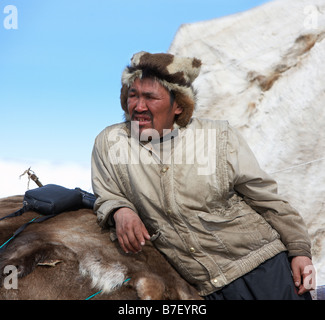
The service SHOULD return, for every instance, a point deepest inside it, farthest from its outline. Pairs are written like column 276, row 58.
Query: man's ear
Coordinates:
column 178, row 109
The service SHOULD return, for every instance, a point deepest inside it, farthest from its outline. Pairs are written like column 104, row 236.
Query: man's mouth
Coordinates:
column 142, row 119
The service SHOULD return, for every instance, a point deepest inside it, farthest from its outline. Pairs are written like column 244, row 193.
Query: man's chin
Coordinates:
column 148, row 134
column 144, row 132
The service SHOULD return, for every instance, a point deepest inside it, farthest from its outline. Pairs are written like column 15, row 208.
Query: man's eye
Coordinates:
column 151, row 98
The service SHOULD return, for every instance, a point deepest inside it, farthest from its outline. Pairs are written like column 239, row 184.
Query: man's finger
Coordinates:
column 131, row 242
column 121, row 242
column 130, row 230
column 309, row 279
column 141, row 235
column 296, row 276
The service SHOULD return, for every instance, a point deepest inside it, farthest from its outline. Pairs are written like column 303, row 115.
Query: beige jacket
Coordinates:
column 202, row 195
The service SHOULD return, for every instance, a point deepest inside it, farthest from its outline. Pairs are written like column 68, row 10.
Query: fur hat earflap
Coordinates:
column 175, row 73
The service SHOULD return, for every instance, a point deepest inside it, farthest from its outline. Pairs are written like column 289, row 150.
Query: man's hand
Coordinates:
column 130, row 230
column 304, row 274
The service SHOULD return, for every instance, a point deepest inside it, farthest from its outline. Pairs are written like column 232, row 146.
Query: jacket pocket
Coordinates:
column 239, row 232
column 177, row 257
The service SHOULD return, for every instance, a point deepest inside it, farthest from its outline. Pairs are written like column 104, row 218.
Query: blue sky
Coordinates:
column 60, row 70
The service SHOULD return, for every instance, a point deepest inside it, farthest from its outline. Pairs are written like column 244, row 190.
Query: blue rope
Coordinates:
column 95, row 294
column 7, row 242
column 14, row 235
column 98, row 292
column 90, row 297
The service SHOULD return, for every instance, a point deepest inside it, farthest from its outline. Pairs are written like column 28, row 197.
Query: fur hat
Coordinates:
column 175, row 73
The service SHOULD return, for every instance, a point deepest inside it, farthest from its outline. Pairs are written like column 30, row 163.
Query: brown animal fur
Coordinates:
column 85, row 256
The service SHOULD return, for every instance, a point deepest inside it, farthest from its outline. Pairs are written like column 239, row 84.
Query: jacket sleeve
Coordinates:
column 105, row 183
column 259, row 191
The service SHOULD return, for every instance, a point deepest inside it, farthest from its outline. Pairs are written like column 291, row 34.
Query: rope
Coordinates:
column 31, row 176
column 299, row 165
column 95, row 294
column 6, row 242
column 15, row 234
column 98, row 292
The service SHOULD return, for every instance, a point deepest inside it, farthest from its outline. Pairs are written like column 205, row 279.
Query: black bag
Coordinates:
column 49, row 201
column 52, row 199
column 88, row 199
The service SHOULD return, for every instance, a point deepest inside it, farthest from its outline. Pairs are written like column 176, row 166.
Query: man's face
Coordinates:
column 149, row 105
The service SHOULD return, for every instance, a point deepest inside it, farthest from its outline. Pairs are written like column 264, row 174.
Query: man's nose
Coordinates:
column 141, row 105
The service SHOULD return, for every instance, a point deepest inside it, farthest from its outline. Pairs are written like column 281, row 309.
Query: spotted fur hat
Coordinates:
column 175, row 73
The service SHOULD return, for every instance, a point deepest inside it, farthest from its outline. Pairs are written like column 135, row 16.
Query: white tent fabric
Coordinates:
column 263, row 70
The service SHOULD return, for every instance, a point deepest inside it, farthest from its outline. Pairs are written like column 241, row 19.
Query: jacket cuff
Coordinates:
column 299, row 249
column 106, row 212
column 110, row 220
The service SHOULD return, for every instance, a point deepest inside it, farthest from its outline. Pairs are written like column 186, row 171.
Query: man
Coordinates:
column 193, row 188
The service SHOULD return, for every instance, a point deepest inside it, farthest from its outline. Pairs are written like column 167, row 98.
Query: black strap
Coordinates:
column 88, row 200
column 22, row 228
column 16, row 213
